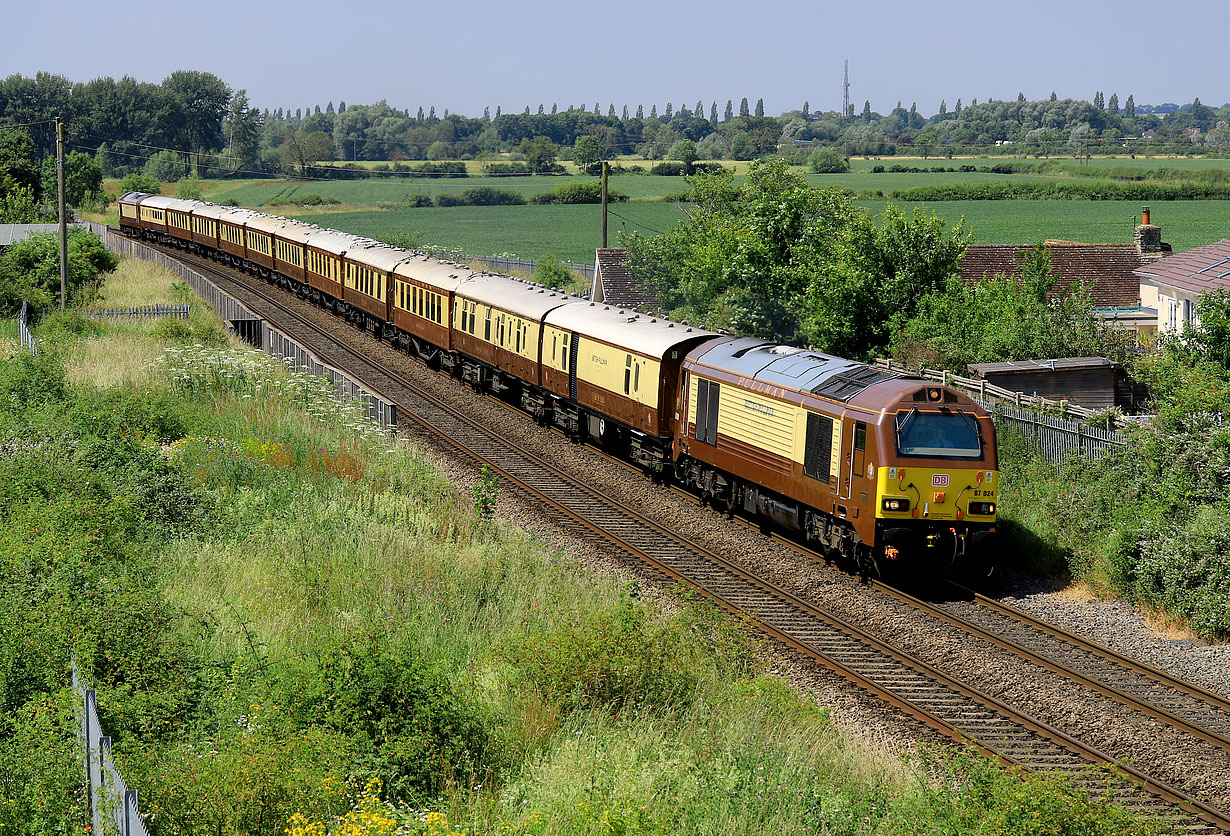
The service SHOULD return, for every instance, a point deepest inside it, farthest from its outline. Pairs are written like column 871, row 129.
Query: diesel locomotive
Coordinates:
column 883, row 469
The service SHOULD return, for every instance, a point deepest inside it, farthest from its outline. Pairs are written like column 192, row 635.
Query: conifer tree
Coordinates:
column 670, row 110
column 743, row 108
column 611, row 110
column 625, row 114
column 760, row 107
column 699, row 113
column 329, row 109
column 487, row 113
column 653, row 112
column 1129, row 109
column 341, row 107
column 640, row 112
column 497, row 111
column 554, row 107
column 730, row 111
column 1113, row 105
column 713, row 113
column 806, row 110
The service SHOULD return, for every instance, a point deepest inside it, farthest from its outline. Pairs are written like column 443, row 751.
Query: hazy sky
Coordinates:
column 464, row 56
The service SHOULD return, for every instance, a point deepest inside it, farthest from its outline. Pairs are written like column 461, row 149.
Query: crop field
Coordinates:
column 570, row 232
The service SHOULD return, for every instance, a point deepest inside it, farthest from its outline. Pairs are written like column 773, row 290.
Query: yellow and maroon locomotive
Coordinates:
column 867, row 463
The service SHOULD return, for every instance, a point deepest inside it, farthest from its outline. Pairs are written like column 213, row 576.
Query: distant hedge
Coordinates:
column 481, row 196
column 578, row 193
column 671, row 169
column 1102, row 190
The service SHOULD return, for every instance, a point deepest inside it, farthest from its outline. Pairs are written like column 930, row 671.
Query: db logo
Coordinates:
column 939, row 480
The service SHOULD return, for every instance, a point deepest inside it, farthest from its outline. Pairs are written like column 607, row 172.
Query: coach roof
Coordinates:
column 333, row 242
column 442, row 275
column 637, row 332
column 517, row 296
column 377, row 255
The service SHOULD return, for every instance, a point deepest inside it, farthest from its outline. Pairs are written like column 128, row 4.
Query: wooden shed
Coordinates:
column 1086, row 381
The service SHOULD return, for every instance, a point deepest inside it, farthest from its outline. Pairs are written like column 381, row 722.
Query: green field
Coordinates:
column 572, row 232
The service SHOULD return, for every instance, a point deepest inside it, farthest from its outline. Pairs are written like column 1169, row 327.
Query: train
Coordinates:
column 882, row 469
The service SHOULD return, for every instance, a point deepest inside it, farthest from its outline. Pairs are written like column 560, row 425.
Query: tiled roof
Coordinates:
column 1109, row 266
column 618, row 286
column 1197, row 270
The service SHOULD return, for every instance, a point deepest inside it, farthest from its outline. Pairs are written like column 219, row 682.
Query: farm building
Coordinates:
column 12, row 233
column 1179, row 281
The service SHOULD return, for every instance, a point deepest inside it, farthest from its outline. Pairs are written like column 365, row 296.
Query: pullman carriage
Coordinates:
column 260, row 231
column 368, row 270
column 421, row 297
column 326, row 249
column 205, row 227
column 498, row 322
column 290, row 250
column 232, row 237
column 619, row 370
column 130, row 212
column 179, row 220
column 153, row 216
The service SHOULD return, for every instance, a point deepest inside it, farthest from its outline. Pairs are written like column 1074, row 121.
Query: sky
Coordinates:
column 467, row 56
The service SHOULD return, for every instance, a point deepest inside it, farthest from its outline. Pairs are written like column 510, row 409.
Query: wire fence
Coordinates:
column 501, row 264
column 114, row 809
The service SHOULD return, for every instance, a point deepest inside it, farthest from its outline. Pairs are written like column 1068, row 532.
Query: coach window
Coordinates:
column 628, row 375
column 636, row 379
column 567, row 337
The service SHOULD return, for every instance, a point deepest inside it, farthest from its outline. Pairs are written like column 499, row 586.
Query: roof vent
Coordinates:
column 653, row 320
column 591, row 304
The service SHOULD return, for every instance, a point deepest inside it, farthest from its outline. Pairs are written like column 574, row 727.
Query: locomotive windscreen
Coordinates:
column 938, row 435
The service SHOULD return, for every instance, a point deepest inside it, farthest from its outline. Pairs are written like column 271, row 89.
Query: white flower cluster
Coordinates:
column 252, row 375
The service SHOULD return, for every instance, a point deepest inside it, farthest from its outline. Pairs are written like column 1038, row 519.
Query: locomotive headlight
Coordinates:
column 895, row 504
column 983, row 509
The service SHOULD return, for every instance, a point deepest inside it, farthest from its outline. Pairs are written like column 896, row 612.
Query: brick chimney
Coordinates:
column 1148, row 240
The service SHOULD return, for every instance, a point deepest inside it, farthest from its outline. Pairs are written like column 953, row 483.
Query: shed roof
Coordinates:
column 12, row 233
column 1060, row 364
column 1110, row 267
column 1197, row 270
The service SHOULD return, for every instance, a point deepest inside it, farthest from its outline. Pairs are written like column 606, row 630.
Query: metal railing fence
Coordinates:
column 114, row 810
column 23, row 330
column 139, row 312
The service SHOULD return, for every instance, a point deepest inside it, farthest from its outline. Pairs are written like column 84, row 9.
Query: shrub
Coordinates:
column 140, row 183
column 668, row 169
column 507, row 169
column 571, row 193
column 828, row 161
column 490, row 196
column 450, row 200
column 188, row 188
column 550, row 272
column 418, row 200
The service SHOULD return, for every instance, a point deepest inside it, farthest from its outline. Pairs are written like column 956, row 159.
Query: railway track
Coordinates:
column 936, row 699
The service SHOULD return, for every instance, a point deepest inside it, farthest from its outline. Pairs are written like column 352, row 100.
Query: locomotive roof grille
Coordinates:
column 843, row 386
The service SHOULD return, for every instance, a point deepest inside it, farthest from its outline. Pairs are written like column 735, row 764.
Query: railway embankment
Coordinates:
column 291, row 618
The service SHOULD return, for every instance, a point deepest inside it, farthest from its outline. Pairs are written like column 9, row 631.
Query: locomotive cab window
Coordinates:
column 939, row 435
column 860, row 447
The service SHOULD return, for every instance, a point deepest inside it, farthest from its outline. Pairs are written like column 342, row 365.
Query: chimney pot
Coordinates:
column 1144, row 218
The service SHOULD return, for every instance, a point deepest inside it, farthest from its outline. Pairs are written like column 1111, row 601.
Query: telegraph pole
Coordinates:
column 604, row 169
column 63, row 217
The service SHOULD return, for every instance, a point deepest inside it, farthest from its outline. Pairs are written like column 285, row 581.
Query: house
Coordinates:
column 614, row 285
column 1111, row 269
column 1179, row 281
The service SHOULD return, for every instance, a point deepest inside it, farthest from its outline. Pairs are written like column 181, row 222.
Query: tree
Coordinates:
column 1020, row 97
column 807, row 111
column 140, row 183
column 18, row 168
column 301, row 149
column 685, row 151
column 1054, row 98
column 670, row 110
column 713, row 118
column 743, row 108
column 167, row 166
column 82, row 178
column 243, row 129
column 867, row 110
column 1129, row 109
column 550, row 272
column 540, row 153
column 623, row 117
column 587, row 154
column 640, row 112
column 956, row 110
column 760, row 107
column 1112, row 106
column 199, row 101
column 943, row 108
column 730, row 111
